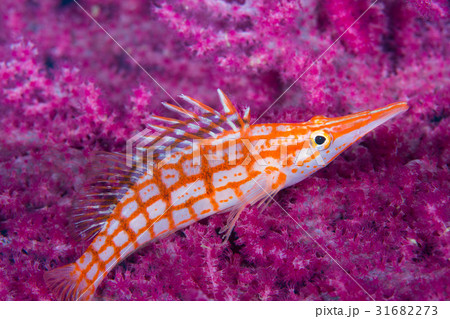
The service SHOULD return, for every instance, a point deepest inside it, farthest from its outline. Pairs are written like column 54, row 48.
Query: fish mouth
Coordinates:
column 359, row 124
column 382, row 115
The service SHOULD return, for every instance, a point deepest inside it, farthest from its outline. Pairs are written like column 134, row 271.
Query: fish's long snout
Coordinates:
column 382, row 115
column 355, row 126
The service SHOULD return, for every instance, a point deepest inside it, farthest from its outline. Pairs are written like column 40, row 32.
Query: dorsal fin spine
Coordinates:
column 195, row 117
column 199, row 104
column 228, row 106
column 180, row 110
column 165, row 119
column 208, row 109
column 246, row 117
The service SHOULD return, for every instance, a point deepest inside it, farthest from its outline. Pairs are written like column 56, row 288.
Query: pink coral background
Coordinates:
column 381, row 209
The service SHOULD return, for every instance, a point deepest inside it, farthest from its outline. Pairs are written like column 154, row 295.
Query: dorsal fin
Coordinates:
column 109, row 179
column 246, row 117
column 208, row 124
column 230, row 110
column 231, row 116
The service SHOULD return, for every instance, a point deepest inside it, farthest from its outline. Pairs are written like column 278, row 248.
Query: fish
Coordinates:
column 187, row 170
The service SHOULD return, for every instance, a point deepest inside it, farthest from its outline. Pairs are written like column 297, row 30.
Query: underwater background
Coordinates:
column 381, row 209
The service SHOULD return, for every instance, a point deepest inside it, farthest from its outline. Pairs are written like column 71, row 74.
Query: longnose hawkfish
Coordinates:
column 217, row 162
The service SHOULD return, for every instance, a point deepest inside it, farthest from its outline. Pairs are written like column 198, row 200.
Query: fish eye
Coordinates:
column 320, row 140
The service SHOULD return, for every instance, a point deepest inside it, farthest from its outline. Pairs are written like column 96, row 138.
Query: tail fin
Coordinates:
column 65, row 283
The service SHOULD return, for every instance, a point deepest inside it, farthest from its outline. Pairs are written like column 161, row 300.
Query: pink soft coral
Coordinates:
column 380, row 209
